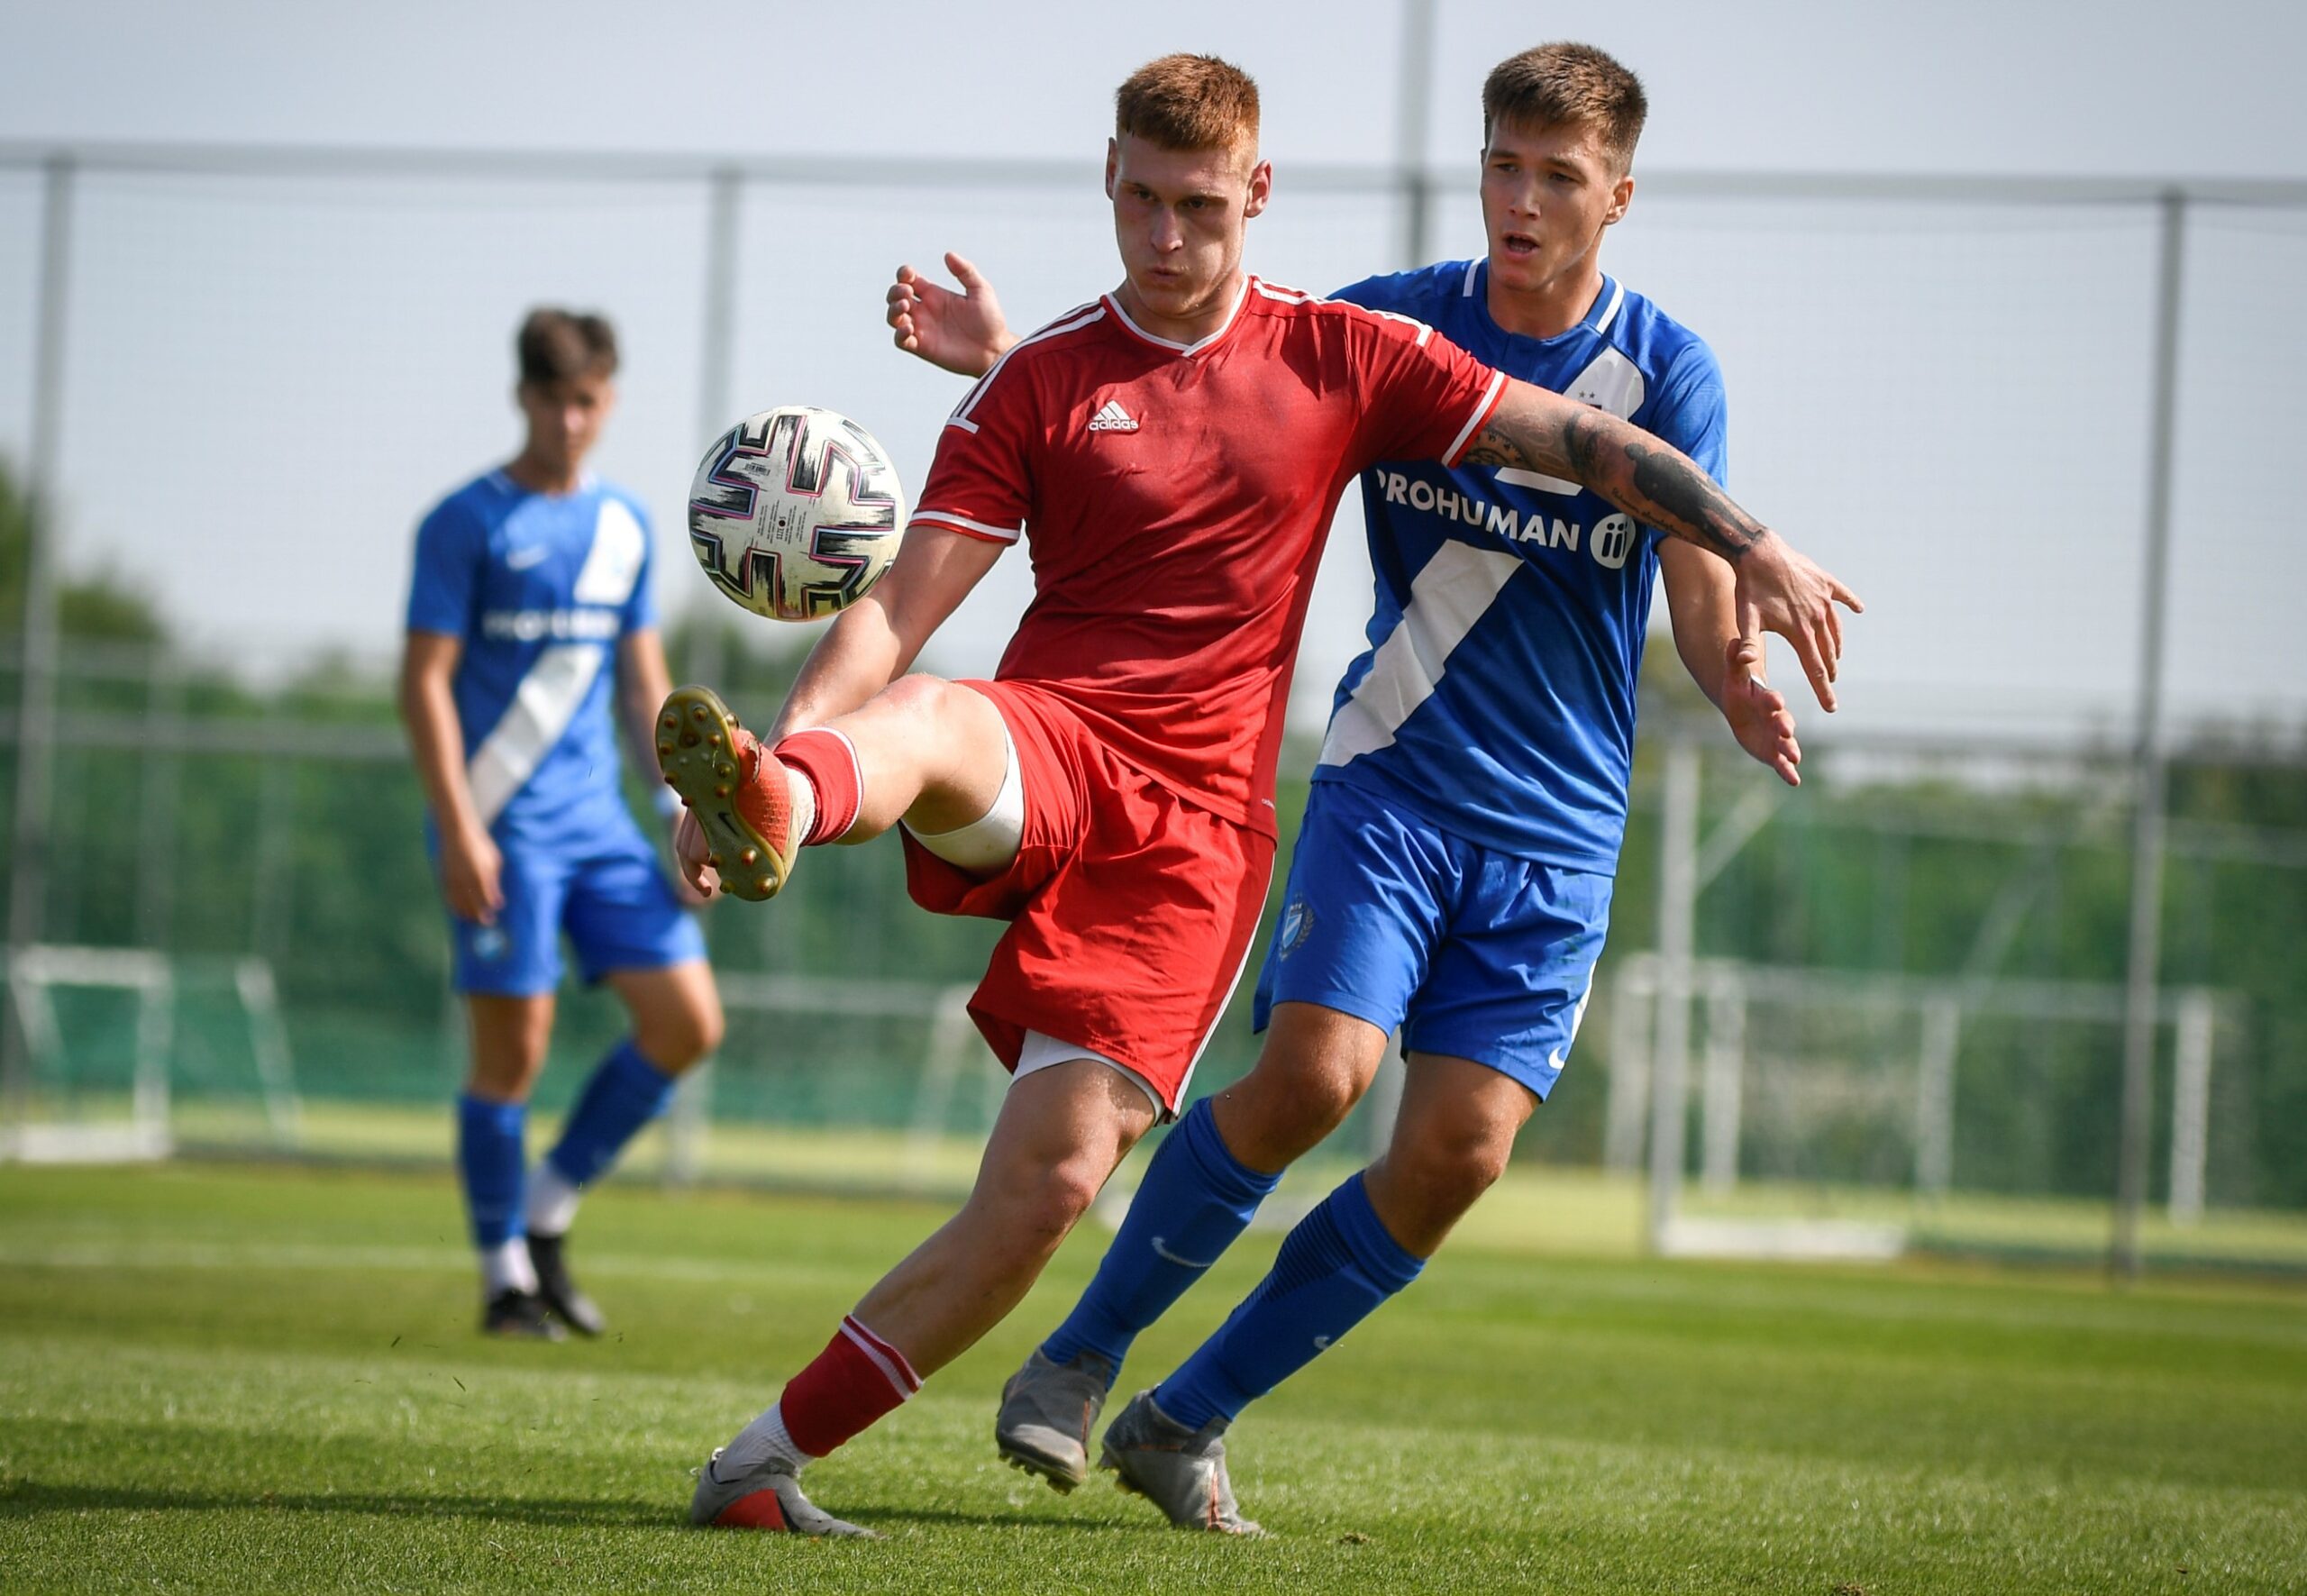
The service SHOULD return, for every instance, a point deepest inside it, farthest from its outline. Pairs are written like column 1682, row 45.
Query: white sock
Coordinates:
column 805, row 799
column 552, row 1201
column 762, row 1441
column 505, row 1267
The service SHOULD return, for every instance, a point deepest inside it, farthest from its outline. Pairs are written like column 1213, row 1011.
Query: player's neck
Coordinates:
column 541, row 474
column 1550, row 309
column 1189, row 329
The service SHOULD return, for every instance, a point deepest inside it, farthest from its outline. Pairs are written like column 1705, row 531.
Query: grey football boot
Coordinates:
column 1180, row 1470
column 1047, row 1411
column 765, row 1497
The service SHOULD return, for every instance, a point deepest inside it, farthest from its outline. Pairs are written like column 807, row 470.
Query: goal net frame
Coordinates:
column 1641, row 1132
column 34, row 973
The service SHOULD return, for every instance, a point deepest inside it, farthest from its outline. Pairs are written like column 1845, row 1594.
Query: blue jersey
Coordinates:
column 539, row 589
column 1496, row 698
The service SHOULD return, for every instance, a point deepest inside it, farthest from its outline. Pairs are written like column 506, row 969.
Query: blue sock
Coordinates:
column 493, row 1165
column 1333, row 1269
column 626, row 1092
column 1195, row 1199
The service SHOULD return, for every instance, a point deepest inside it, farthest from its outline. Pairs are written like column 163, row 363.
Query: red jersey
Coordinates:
column 1174, row 499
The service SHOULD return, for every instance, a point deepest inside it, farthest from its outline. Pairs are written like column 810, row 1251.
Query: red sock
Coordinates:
column 827, row 762
column 857, row 1379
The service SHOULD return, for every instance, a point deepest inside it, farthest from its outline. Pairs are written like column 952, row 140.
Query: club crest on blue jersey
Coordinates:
column 1297, row 925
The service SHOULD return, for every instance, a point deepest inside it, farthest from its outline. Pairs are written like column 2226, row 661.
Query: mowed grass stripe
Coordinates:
column 413, row 1443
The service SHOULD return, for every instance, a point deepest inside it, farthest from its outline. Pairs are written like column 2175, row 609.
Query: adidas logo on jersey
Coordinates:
column 1112, row 419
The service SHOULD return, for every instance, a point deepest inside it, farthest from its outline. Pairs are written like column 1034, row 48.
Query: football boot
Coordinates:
column 1047, row 1410
column 765, row 1497
column 1180, row 1470
column 520, row 1315
column 738, row 795
column 576, row 1310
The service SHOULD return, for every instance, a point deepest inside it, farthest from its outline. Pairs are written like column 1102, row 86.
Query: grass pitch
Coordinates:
column 221, row 1379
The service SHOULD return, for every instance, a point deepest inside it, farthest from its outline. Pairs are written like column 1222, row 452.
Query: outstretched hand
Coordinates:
column 1783, row 591
column 963, row 333
column 691, row 852
column 1757, row 712
column 690, row 891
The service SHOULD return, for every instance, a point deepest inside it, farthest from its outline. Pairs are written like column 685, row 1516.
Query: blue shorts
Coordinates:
column 1474, row 954
column 611, row 896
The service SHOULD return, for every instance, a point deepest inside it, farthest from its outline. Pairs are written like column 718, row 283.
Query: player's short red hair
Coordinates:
column 1189, row 102
column 1567, row 83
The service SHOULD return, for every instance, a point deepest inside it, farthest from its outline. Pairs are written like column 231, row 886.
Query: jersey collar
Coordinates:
column 502, row 480
column 1598, row 319
column 1185, row 350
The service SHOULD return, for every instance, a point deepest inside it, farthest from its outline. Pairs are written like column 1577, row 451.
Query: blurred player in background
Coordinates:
column 1176, row 450
column 1452, row 877
column 530, row 599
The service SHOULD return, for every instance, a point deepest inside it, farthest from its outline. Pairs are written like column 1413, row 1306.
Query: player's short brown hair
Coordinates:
column 555, row 345
column 1189, row 102
column 1567, row 83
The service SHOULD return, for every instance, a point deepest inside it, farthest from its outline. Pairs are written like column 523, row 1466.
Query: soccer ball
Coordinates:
column 794, row 513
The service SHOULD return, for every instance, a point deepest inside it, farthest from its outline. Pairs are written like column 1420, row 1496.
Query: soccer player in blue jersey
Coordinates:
column 1452, row 875
column 530, row 599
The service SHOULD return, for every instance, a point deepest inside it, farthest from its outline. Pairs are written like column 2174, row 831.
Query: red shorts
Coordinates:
column 1130, row 910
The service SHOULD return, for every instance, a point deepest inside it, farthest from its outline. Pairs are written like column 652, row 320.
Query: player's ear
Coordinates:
column 1113, row 164
column 1621, row 197
column 1261, row 190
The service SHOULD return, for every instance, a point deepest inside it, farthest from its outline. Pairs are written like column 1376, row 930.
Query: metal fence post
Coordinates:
column 1382, row 1104
column 2139, row 1008
column 2190, row 1104
column 1416, row 188
column 1677, row 939
column 724, row 215
column 164, row 696
column 1723, row 1093
column 272, row 883
column 1933, row 1112
column 1634, row 1004
column 724, row 201
column 36, row 700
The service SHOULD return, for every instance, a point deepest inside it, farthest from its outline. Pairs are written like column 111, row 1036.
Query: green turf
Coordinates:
column 216, row 1377
column 1540, row 1207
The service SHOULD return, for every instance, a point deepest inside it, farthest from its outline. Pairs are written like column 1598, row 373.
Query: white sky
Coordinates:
column 1946, row 406
column 1957, row 85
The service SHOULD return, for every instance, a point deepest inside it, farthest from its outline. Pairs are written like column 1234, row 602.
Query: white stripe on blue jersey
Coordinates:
column 1496, row 697
column 539, row 589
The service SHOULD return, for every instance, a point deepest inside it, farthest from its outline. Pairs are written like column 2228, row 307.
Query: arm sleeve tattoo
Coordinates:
column 1648, row 479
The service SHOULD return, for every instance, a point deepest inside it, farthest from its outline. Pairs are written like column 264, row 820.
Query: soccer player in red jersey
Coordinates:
column 1173, row 454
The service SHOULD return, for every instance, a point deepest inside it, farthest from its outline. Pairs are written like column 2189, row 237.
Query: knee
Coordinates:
column 1445, row 1176
column 504, row 1075
column 675, row 1043
column 917, row 696
column 1287, row 1104
column 1039, row 1211
column 510, row 1037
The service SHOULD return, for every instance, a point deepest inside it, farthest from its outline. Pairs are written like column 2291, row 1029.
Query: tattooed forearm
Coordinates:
column 1632, row 470
column 1686, row 501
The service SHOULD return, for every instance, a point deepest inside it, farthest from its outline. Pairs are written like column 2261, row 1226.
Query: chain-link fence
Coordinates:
column 236, row 378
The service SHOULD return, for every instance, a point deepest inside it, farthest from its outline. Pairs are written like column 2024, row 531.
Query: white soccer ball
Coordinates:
column 794, row 513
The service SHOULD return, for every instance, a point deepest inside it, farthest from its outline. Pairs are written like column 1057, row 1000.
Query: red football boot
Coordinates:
column 737, row 793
